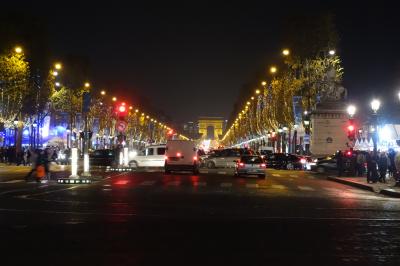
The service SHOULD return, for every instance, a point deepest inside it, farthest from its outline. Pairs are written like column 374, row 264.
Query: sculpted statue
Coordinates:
column 333, row 91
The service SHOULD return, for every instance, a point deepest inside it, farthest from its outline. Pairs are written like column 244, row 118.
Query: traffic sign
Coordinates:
column 121, row 125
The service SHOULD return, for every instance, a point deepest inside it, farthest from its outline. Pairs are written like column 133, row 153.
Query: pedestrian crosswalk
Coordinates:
column 224, row 184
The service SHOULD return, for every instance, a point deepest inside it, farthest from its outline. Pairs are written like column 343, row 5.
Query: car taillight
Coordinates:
column 195, row 158
column 303, row 161
column 178, row 154
column 166, row 158
column 263, row 165
column 240, row 164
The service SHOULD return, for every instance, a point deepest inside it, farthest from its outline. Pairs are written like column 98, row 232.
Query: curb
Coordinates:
column 357, row 185
column 387, row 191
column 390, row 192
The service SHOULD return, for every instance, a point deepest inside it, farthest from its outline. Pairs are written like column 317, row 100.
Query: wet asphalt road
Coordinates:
column 290, row 218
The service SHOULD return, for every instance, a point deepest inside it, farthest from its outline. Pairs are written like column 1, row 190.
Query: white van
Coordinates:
column 181, row 155
column 151, row 156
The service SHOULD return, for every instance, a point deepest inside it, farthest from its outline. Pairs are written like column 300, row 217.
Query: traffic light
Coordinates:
column 351, row 132
column 121, row 110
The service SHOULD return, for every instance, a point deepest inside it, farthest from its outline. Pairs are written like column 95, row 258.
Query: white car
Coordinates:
column 181, row 155
column 151, row 156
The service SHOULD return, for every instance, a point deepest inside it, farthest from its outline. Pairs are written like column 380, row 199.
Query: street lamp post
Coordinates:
column 375, row 104
column 306, row 122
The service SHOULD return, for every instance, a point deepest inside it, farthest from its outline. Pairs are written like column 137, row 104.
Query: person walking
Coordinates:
column 383, row 164
column 339, row 163
column 33, row 159
column 360, row 161
column 392, row 165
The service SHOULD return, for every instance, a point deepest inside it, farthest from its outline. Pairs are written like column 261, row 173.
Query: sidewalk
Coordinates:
column 14, row 172
column 361, row 182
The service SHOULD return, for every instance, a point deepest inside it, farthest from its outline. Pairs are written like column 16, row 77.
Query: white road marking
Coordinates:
column 278, row 186
column 12, row 181
column 147, row 183
column 252, row 185
column 276, row 175
column 174, row 183
column 199, row 184
column 306, row 188
column 294, row 176
column 221, row 172
column 226, row 184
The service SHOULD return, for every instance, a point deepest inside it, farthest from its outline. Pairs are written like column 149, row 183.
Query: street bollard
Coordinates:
column 86, row 167
column 126, row 157
column 74, row 163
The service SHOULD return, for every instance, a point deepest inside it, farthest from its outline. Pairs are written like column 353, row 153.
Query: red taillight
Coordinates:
column 349, row 153
column 166, row 157
column 240, row 164
column 263, row 165
column 195, row 158
column 303, row 161
column 178, row 154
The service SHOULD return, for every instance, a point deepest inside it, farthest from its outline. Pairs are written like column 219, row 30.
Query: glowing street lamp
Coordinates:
column 114, row 99
column 285, row 52
column 58, row 66
column 103, row 92
column 273, row 69
column 57, row 84
column 87, row 84
column 55, row 73
column 264, row 83
column 375, row 104
column 257, row 91
column 18, row 49
column 351, row 110
column 332, row 52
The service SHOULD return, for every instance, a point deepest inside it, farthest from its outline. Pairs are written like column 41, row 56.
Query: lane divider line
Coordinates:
column 306, row 188
column 226, row 184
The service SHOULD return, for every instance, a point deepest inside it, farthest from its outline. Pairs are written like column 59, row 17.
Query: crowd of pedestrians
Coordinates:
column 376, row 166
column 38, row 159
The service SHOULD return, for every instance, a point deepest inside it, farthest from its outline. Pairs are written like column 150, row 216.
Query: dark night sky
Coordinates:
column 191, row 59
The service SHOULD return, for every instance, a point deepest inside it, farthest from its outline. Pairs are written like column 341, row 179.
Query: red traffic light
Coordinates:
column 350, row 128
column 122, row 109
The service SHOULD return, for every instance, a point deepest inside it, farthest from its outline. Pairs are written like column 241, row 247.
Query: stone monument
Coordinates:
column 329, row 120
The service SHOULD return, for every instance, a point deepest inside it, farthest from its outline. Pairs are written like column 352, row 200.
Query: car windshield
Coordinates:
column 251, row 159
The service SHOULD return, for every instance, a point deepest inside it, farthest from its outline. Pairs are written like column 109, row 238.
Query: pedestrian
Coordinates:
column 33, row 160
column 383, row 164
column 41, row 166
column 392, row 166
column 373, row 177
column 360, row 162
column 339, row 163
column 46, row 162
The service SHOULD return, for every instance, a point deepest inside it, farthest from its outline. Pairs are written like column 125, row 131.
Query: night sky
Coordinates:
column 191, row 59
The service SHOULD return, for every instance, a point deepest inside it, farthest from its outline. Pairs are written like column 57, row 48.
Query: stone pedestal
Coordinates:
column 329, row 128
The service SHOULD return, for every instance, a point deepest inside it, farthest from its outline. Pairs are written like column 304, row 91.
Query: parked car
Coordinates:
column 329, row 163
column 285, row 161
column 226, row 157
column 103, row 157
column 151, row 156
column 181, row 155
column 266, row 151
column 250, row 165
